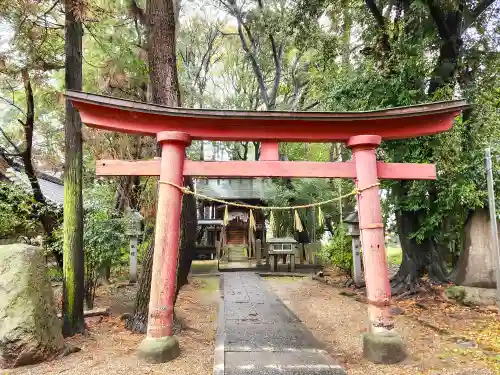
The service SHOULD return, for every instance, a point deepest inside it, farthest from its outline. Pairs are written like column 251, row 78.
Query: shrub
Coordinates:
column 18, row 212
column 338, row 251
column 104, row 238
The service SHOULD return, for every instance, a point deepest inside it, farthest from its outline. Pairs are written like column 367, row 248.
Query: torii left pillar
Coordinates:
column 160, row 345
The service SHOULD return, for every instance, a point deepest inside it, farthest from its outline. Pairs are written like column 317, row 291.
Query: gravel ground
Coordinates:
column 109, row 349
column 339, row 321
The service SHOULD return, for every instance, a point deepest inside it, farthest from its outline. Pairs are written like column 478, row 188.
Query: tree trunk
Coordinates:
column 139, row 321
column 425, row 257
column 418, row 258
column 161, row 53
column 73, row 287
column 47, row 218
column 446, row 67
column 187, row 241
column 165, row 90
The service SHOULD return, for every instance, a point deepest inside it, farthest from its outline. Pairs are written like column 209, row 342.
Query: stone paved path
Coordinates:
column 262, row 336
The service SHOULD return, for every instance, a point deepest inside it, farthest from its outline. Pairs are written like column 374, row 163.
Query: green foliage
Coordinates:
column 17, row 212
column 104, row 236
column 394, row 255
column 20, row 213
column 402, row 78
column 304, row 191
column 338, row 251
column 55, row 274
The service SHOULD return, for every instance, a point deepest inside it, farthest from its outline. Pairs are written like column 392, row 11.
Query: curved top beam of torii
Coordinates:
column 227, row 125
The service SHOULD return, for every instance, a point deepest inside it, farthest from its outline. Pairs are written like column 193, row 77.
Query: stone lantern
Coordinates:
column 134, row 231
column 352, row 222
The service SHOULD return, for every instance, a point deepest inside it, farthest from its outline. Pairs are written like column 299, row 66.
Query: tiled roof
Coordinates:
column 52, row 187
column 235, row 188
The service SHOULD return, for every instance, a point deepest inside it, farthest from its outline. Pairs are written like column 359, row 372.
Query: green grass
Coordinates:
column 55, row 274
column 210, row 284
column 204, row 266
column 394, row 255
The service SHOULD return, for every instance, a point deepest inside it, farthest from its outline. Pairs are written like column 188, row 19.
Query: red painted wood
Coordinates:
column 161, row 303
column 140, row 118
column 128, row 168
column 289, row 169
column 365, row 141
column 173, row 136
column 406, row 171
column 284, row 130
column 269, row 150
column 378, row 289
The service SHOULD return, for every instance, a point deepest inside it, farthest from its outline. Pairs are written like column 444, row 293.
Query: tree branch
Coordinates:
column 310, row 106
column 277, row 54
column 439, row 19
column 30, row 117
column 10, row 141
column 375, row 11
column 478, row 10
column 255, row 66
column 12, row 104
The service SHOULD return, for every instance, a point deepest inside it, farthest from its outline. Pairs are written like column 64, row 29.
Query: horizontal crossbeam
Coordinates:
column 287, row 169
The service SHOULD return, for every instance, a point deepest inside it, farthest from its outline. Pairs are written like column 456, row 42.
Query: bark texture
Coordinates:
column 160, row 16
column 161, row 22
column 418, row 258
column 139, row 321
column 73, row 287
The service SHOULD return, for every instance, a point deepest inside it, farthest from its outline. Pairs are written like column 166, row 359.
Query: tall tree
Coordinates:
column 160, row 20
column 73, row 257
column 427, row 253
column 30, row 55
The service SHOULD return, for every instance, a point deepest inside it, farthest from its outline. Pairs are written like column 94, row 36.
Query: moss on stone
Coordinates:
column 383, row 348
column 159, row 350
column 29, row 329
column 456, row 292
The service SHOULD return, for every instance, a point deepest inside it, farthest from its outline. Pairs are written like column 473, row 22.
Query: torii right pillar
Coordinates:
column 381, row 344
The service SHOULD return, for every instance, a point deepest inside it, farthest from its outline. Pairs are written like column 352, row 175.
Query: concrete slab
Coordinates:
column 262, row 336
column 268, row 335
column 270, row 363
column 259, row 313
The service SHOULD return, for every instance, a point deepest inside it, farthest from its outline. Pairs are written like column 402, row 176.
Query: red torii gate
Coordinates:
column 174, row 129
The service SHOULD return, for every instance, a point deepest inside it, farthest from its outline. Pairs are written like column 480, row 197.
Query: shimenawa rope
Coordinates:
column 186, row 190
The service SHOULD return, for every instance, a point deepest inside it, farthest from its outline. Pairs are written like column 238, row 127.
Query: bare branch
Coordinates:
column 12, row 104
column 10, row 141
column 311, row 106
column 277, row 54
column 478, row 10
column 255, row 66
column 48, row 10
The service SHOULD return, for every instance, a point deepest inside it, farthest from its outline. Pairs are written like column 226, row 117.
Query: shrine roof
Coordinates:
column 149, row 119
column 233, row 189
